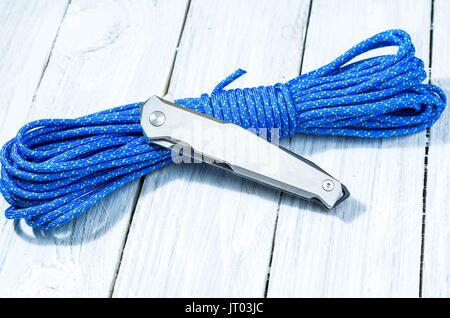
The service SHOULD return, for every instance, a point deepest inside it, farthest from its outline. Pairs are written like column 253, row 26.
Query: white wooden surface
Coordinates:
column 369, row 246
column 209, row 233
column 436, row 267
column 106, row 53
column 194, row 230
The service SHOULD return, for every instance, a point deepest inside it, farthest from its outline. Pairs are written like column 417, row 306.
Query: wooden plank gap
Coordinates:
column 125, row 239
column 425, row 160
column 44, row 69
column 308, row 19
column 266, row 289
column 141, row 180
column 169, row 78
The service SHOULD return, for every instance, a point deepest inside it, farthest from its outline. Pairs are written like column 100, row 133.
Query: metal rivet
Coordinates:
column 328, row 185
column 157, row 118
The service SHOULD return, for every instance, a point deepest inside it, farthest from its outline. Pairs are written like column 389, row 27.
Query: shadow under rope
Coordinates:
column 105, row 215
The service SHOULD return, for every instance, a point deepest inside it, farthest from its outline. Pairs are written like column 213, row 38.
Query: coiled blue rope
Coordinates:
column 55, row 169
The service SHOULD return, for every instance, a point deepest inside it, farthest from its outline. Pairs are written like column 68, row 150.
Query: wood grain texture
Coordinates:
column 27, row 32
column 436, row 267
column 107, row 53
column 370, row 245
column 198, row 231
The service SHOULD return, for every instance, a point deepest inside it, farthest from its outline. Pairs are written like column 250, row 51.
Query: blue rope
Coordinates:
column 55, row 169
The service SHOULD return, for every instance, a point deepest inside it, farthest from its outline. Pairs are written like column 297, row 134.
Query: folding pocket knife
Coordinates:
column 193, row 135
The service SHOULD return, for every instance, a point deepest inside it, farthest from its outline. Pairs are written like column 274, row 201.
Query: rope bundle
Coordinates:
column 55, row 169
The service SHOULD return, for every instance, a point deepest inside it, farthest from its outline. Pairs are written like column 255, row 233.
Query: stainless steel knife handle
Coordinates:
column 236, row 149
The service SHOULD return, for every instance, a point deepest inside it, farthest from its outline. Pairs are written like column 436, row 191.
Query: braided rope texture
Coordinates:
column 56, row 169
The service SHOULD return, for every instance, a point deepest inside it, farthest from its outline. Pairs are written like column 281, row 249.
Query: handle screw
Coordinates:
column 157, row 118
column 328, row 185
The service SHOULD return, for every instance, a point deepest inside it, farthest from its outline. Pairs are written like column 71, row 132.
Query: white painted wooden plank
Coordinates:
column 27, row 32
column 436, row 267
column 370, row 245
column 198, row 231
column 107, row 53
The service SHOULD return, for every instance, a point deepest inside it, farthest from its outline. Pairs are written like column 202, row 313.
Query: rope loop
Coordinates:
column 263, row 107
column 56, row 169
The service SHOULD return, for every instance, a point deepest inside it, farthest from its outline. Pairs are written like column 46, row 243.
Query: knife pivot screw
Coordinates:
column 328, row 185
column 157, row 118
